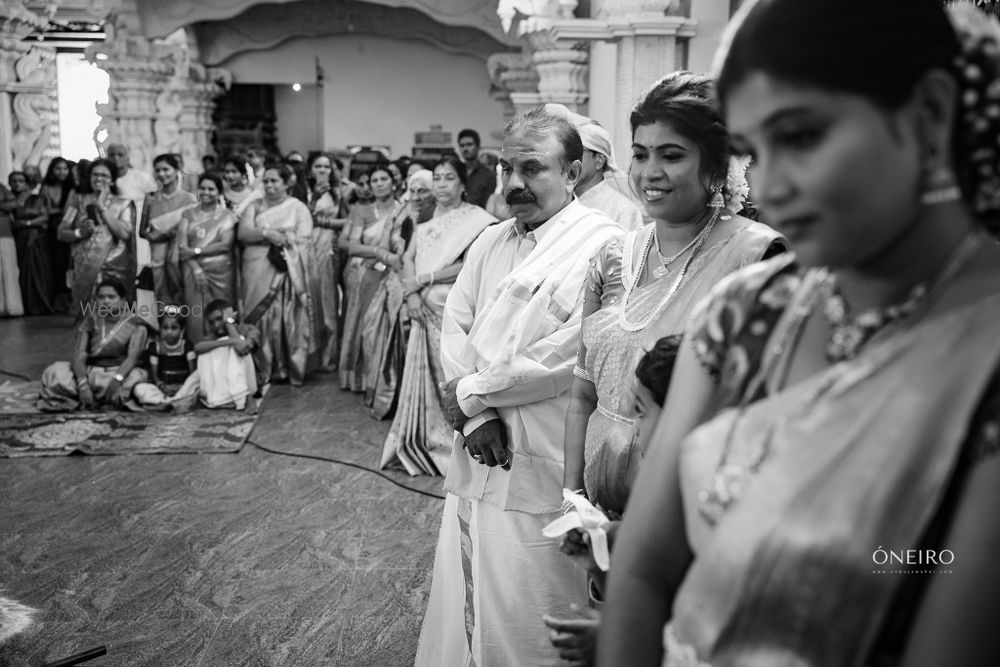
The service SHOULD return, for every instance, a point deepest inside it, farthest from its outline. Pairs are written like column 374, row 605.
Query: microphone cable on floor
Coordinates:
column 344, row 463
column 15, row 375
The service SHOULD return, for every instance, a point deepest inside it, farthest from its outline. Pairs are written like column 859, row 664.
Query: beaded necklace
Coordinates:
column 168, row 348
column 699, row 241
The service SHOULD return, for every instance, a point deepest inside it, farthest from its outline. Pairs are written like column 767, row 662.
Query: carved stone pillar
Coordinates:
column 515, row 81
column 197, row 106
column 27, row 90
column 140, row 71
column 562, row 69
column 559, row 64
column 649, row 43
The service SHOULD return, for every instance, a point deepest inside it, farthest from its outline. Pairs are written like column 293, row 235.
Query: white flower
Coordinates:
column 737, row 189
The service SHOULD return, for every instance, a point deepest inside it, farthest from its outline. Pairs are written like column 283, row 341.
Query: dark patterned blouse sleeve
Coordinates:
column 721, row 316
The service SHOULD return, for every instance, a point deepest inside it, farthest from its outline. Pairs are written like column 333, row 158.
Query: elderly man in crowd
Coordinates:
column 510, row 333
column 599, row 186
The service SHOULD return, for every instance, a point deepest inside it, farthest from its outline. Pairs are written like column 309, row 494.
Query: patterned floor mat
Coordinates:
column 195, row 432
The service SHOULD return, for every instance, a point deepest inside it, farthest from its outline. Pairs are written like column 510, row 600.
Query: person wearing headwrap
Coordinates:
column 597, row 188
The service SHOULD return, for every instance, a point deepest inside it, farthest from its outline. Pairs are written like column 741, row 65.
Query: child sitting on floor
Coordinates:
column 228, row 369
column 576, row 638
column 171, row 359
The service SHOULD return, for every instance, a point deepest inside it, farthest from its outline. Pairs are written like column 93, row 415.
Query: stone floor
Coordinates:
column 216, row 560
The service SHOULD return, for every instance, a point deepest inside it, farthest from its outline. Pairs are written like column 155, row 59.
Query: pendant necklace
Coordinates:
column 696, row 245
column 663, row 268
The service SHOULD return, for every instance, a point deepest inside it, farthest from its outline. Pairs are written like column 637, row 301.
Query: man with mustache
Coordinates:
column 510, row 334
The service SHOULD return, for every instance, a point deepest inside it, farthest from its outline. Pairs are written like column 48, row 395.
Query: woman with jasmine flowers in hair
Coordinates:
column 855, row 387
column 643, row 286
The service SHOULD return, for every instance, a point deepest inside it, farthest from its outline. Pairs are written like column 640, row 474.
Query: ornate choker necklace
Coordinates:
column 851, row 332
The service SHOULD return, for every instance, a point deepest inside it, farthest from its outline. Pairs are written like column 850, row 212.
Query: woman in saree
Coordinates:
column 11, row 304
column 421, row 437
column 238, row 191
column 366, row 240
column 161, row 214
column 275, row 232
column 328, row 214
column 100, row 225
column 30, row 222
column 642, row 287
column 205, row 237
column 384, row 342
column 106, row 354
column 821, row 485
column 57, row 186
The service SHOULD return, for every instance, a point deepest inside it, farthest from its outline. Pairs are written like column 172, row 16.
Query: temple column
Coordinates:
column 712, row 17
column 632, row 43
column 197, row 100
column 143, row 109
column 28, row 111
column 515, row 81
column 650, row 40
column 560, row 65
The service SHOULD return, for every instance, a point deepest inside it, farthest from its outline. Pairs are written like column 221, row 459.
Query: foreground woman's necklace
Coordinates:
column 730, row 478
column 851, row 332
column 695, row 246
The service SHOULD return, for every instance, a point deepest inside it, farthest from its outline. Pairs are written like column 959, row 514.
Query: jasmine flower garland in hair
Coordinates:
column 737, row 188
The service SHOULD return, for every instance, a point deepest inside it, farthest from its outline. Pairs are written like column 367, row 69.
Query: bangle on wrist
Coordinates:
column 83, row 382
column 431, row 281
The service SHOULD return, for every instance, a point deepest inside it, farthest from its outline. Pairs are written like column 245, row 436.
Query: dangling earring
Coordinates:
column 717, row 201
column 939, row 183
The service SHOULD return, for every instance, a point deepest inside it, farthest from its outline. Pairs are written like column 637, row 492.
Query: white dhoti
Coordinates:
column 227, row 378
column 487, row 611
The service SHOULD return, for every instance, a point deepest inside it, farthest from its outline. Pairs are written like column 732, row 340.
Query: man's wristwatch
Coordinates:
column 230, row 320
column 197, row 251
column 119, row 377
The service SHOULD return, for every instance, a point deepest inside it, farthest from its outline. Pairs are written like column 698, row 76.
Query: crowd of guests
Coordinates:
column 774, row 443
column 722, row 422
